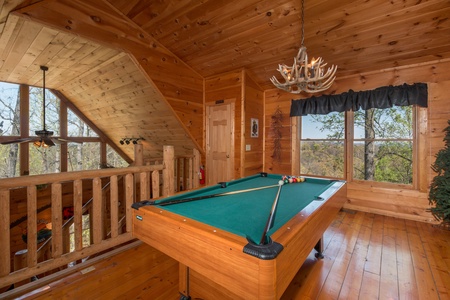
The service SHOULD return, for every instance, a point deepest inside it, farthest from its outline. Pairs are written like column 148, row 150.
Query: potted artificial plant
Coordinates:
column 439, row 194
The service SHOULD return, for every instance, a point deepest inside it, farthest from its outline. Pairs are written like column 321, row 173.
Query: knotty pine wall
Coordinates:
column 391, row 200
column 249, row 99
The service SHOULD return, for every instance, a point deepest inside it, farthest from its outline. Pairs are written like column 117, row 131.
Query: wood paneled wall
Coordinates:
column 248, row 97
column 391, row 200
column 254, row 109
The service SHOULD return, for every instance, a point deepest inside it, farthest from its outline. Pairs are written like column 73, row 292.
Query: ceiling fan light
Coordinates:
column 40, row 143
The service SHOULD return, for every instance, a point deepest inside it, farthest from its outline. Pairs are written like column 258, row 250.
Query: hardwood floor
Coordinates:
column 370, row 256
column 367, row 256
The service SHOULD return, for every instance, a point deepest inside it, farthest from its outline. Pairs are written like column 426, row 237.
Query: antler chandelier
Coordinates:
column 303, row 75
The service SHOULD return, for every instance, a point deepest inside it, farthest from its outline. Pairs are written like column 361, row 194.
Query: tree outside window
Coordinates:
column 382, row 145
column 322, row 145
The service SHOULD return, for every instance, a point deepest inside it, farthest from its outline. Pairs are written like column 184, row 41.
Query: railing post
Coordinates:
column 168, row 171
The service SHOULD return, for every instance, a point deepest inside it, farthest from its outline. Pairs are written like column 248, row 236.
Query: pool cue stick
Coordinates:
column 269, row 223
column 208, row 196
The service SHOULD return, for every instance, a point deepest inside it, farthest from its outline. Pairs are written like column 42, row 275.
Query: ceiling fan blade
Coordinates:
column 48, row 141
column 61, row 140
column 18, row 141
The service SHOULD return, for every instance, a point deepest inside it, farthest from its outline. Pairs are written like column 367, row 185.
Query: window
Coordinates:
column 322, row 145
column 76, row 127
column 379, row 133
column 44, row 160
column 37, row 115
column 83, row 153
column 383, row 145
column 9, row 109
column 85, row 156
column 114, row 159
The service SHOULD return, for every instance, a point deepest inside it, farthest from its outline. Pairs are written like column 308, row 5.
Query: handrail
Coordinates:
column 24, row 181
column 132, row 189
column 137, row 183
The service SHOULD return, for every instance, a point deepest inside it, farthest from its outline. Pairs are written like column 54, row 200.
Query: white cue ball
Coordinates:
column 281, row 182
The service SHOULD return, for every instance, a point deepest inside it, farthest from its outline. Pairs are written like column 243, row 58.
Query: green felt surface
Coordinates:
column 246, row 214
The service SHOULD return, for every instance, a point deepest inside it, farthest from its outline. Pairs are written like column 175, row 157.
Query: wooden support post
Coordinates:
column 168, row 172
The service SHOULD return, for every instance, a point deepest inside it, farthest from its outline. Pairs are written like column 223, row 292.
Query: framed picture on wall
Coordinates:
column 254, row 128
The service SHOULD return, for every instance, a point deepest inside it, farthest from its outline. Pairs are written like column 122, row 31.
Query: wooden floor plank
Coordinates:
column 389, row 274
column 437, row 252
column 353, row 278
column 424, row 278
column 333, row 284
column 370, row 286
column 373, row 262
column 312, row 275
column 406, row 280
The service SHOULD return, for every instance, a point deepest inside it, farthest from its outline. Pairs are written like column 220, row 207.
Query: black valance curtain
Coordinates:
column 383, row 97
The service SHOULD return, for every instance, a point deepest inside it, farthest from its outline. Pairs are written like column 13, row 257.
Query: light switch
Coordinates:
column 248, row 147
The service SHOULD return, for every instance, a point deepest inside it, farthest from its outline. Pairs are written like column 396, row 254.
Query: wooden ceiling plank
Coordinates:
column 7, row 38
column 26, row 68
column 22, row 42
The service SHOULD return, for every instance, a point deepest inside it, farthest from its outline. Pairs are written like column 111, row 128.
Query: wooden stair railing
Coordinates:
column 60, row 257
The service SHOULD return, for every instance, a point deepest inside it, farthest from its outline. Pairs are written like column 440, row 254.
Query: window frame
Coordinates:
column 417, row 126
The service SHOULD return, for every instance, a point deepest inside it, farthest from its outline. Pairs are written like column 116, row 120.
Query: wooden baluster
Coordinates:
column 129, row 199
column 155, row 184
column 168, row 171
column 78, row 214
column 31, row 226
column 57, row 241
column 20, row 262
column 114, row 190
column 5, row 260
column 97, row 211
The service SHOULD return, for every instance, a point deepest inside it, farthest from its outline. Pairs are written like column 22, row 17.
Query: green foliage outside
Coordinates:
column 382, row 148
column 439, row 194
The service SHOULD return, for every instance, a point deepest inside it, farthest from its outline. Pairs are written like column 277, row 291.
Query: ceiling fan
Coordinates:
column 44, row 138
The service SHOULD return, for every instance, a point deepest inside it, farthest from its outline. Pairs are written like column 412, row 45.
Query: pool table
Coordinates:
column 217, row 232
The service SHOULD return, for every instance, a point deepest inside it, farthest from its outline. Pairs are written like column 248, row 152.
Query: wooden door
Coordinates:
column 219, row 141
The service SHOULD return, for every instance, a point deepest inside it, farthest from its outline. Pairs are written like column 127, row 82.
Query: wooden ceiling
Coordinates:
column 106, row 56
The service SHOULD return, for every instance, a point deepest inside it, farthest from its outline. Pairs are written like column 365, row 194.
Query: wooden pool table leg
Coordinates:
column 184, row 282
column 319, row 248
